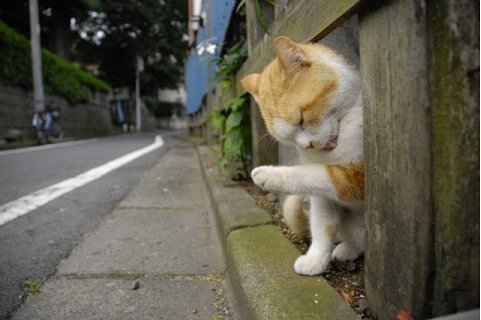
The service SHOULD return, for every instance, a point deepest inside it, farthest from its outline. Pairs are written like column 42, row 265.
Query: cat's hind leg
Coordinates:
column 297, row 219
column 324, row 219
column 352, row 233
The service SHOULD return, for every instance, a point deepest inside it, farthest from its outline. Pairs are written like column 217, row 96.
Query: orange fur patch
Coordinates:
column 348, row 180
column 307, row 91
column 331, row 232
column 313, row 111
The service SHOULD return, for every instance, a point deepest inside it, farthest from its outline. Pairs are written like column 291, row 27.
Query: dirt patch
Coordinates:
column 347, row 278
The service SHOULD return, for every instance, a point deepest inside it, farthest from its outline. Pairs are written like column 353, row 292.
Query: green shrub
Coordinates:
column 60, row 77
column 233, row 118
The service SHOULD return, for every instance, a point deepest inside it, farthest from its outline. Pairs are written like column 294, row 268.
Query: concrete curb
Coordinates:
column 260, row 259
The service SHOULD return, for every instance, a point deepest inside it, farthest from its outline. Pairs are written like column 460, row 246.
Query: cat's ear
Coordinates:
column 250, row 84
column 291, row 56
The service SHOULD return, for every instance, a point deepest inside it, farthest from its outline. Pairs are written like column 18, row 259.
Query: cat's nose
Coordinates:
column 310, row 145
column 304, row 142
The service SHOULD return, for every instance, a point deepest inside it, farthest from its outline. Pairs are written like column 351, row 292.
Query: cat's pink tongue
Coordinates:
column 330, row 145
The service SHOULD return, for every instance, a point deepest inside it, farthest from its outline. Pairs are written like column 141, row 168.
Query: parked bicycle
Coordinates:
column 47, row 126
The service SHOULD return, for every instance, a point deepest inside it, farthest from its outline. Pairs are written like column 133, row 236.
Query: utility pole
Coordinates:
column 38, row 96
column 139, row 68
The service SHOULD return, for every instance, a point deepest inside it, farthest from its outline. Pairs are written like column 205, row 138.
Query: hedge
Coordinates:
column 59, row 76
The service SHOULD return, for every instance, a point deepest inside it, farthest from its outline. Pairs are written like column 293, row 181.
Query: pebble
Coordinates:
column 351, row 266
column 135, row 285
column 361, row 305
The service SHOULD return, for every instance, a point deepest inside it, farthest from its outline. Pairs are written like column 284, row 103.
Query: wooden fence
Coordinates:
column 419, row 61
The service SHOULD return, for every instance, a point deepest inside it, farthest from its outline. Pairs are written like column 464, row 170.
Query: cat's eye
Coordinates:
column 301, row 123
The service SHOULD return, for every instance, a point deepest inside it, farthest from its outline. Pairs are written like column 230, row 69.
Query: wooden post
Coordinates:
column 454, row 46
column 280, row 6
column 397, row 120
column 265, row 149
column 208, row 124
column 255, row 32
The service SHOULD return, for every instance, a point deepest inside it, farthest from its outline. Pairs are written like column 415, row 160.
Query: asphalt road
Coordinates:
column 32, row 245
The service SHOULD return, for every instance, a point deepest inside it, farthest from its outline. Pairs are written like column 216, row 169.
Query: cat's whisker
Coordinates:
column 272, row 139
column 264, row 137
column 320, row 174
column 337, row 115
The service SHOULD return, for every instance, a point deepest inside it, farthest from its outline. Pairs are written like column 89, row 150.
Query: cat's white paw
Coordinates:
column 311, row 265
column 346, row 252
column 268, row 178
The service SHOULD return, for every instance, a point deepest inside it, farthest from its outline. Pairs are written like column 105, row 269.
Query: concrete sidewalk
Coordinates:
column 173, row 249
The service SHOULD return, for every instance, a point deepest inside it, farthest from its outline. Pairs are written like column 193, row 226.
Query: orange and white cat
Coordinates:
column 310, row 97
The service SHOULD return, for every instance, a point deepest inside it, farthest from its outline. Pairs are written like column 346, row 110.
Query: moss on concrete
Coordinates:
column 235, row 207
column 263, row 262
column 260, row 260
column 239, row 214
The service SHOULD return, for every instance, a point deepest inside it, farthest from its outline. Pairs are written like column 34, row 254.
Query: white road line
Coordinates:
column 24, row 205
column 48, row 146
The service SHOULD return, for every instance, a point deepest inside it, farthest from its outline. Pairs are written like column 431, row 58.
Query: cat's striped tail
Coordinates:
column 296, row 217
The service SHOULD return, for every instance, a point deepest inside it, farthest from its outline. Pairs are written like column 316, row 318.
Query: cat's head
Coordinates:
column 303, row 92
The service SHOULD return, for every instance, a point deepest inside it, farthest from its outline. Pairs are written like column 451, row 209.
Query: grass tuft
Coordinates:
column 32, row 287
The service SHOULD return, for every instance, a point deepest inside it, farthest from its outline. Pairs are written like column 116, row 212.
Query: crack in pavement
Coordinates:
column 213, row 277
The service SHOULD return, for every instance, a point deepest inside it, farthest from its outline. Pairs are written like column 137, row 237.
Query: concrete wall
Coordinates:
column 78, row 121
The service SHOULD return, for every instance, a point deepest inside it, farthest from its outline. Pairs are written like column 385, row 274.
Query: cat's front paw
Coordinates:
column 311, row 265
column 268, row 178
column 346, row 252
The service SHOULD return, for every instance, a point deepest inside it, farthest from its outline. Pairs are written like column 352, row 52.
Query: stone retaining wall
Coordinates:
column 78, row 121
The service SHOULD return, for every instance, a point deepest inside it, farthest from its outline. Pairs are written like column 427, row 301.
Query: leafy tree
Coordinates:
column 60, row 77
column 119, row 30
column 55, row 17
column 111, row 34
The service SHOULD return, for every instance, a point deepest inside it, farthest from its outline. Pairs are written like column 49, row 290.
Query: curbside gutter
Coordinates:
column 260, row 259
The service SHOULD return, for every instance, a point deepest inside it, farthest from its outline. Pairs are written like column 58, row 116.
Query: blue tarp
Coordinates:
column 199, row 68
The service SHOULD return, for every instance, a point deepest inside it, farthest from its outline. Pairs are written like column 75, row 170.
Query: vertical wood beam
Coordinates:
column 454, row 47
column 265, row 149
column 397, row 122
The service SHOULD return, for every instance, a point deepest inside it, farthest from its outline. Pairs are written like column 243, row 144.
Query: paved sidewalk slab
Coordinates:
column 234, row 206
column 114, row 299
column 175, row 181
column 162, row 236
column 149, row 241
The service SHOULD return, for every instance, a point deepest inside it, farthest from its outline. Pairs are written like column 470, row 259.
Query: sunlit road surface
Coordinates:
column 33, row 242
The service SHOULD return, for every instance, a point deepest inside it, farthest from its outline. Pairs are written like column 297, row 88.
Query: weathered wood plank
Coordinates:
column 398, row 158
column 254, row 29
column 454, row 34
column 302, row 21
column 264, row 148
